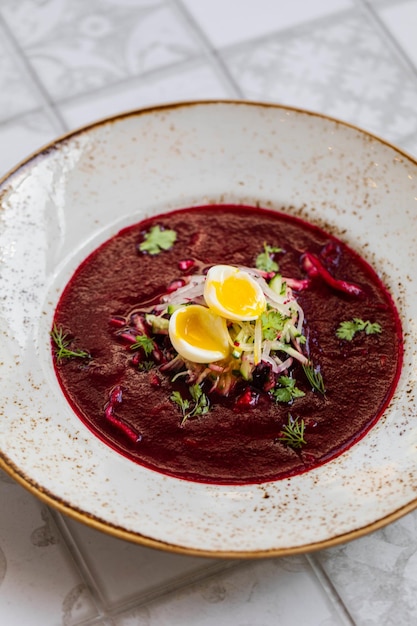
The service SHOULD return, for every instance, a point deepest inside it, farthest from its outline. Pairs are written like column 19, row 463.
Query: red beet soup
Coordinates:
column 291, row 391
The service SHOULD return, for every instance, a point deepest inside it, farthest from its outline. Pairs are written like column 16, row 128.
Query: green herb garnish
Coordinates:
column 347, row 330
column 264, row 260
column 315, row 378
column 272, row 324
column 292, row 433
column 146, row 366
column 61, row 346
column 158, row 239
column 200, row 404
column 286, row 391
column 183, row 403
column 146, row 343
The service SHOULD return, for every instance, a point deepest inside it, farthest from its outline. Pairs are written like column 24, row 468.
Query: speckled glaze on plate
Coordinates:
column 64, row 201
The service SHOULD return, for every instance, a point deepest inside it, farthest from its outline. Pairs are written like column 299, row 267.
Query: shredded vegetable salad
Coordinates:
column 270, row 343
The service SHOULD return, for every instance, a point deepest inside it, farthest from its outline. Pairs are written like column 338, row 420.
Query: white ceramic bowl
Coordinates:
column 77, row 192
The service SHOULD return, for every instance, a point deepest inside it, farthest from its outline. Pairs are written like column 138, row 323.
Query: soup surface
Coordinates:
column 255, row 417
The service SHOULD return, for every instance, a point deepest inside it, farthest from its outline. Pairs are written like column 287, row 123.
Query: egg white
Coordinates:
column 240, row 309
column 209, row 344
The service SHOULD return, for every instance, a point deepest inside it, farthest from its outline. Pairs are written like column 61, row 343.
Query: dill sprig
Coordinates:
column 292, row 433
column 315, row 378
column 61, row 346
column 146, row 366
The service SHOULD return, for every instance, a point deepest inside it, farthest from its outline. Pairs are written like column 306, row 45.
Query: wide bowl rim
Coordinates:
column 119, row 532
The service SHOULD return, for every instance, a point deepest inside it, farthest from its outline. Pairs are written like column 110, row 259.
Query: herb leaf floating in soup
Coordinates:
column 246, row 346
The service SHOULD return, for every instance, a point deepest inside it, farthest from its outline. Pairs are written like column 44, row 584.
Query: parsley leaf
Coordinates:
column 272, row 324
column 292, row 433
column 348, row 329
column 158, row 239
column 286, row 391
column 146, row 343
column 200, row 405
column 184, row 404
column 264, row 260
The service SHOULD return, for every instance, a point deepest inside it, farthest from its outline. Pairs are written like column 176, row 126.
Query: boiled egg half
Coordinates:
column 199, row 334
column 233, row 293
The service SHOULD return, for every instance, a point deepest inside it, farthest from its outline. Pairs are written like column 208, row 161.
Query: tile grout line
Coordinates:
column 214, row 58
column 168, row 591
column 109, row 612
column 330, row 590
column 381, row 28
column 287, row 32
column 145, row 77
column 80, row 565
column 45, row 104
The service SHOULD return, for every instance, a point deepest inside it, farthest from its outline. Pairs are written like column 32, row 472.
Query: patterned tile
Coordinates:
column 146, row 573
column 234, row 21
column 382, row 3
column 194, row 82
column 401, row 20
column 342, row 68
column 276, row 591
column 376, row 576
column 409, row 144
column 78, row 47
column 24, row 135
column 38, row 584
column 16, row 96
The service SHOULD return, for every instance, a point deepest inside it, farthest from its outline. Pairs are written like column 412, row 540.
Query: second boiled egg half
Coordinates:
column 200, row 334
column 233, row 293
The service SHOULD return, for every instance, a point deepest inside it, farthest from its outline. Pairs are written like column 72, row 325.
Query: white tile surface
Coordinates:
column 190, row 83
column 16, row 95
column 409, row 144
column 77, row 47
column 272, row 592
column 146, row 572
column 85, row 60
column 401, row 21
column 376, row 576
column 343, row 69
column 234, row 21
column 24, row 135
column 38, row 584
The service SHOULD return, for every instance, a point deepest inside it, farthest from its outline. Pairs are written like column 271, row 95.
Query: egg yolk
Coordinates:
column 199, row 335
column 232, row 293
